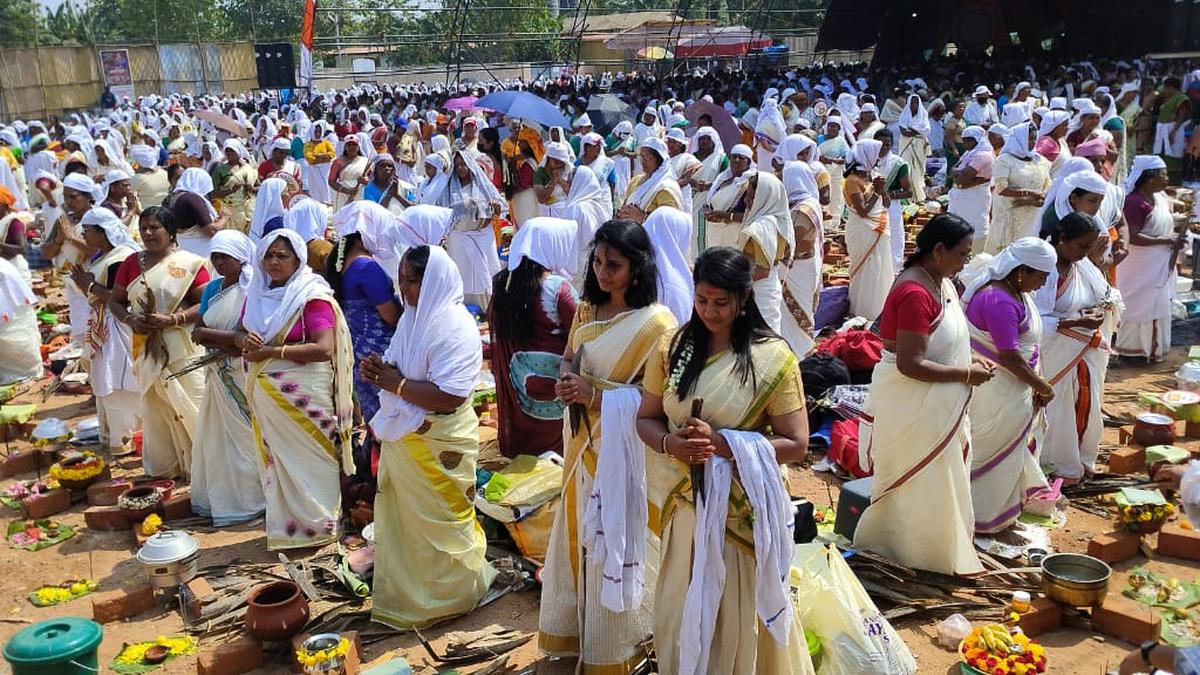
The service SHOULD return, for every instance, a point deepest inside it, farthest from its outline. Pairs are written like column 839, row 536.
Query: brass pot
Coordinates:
column 1075, row 579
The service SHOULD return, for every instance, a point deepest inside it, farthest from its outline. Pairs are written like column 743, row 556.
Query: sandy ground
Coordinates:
column 108, row 558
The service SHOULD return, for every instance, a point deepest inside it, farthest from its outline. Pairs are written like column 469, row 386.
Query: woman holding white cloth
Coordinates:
column 722, row 604
column 430, row 436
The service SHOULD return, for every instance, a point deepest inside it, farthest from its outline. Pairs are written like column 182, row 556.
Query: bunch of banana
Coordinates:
column 998, row 640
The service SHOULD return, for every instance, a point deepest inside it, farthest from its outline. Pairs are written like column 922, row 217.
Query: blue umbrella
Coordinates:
column 524, row 105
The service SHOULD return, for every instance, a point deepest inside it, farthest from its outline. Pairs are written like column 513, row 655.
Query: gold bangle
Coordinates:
column 662, row 445
column 967, row 380
column 282, row 351
column 400, row 387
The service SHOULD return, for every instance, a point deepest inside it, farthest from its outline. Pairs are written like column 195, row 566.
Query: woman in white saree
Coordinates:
column 724, row 394
column 920, row 439
column 656, row 186
column 20, row 340
column 670, row 232
column 157, row 293
column 472, row 244
column 707, row 147
column 298, row 386
column 1021, row 178
column 802, row 281
column 868, row 241
column 598, row 597
column 767, row 239
column 108, row 343
column 725, row 207
column 589, row 204
column 971, row 184
column 1147, row 278
column 225, row 482
column 430, row 438
column 1006, row 412
column 914, row 143
column 1079, row 310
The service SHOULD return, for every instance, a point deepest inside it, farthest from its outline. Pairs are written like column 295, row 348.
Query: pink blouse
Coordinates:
column 317, row 316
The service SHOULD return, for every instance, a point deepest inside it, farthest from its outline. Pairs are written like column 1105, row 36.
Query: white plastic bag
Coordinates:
column 952, row 630
column 830, row 601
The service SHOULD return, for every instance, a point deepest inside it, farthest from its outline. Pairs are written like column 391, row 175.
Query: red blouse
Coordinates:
column 909, row 307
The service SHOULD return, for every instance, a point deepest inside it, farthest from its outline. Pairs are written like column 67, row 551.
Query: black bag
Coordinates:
column 806, row 523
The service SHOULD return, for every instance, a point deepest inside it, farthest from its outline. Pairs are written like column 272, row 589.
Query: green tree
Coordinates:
column 18, row 23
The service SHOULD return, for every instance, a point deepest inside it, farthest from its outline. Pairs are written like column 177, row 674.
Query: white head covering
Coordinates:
column 801, row 183
column 1142, row 164
column 197, row 181
column 15, row 292
column 866, row 153
column 1017, row 143
column 81, row 183
column 143, row 155
column 1029, row 251
column 114, row 229
column 549, row 242
column 239, row 247
column 741, row 150
column 1052, row 120
column 770, row 122
column 268, row 204
column 791, row 147
column 114, row 176
column 663, row 177
column 1072, row 166
column 771, row 204
column 1087, row 180
column 238, row 147
column 670, row 230
column 423, row 225
column 559, row 151
column 307, row 218
column 270, row 310
column 582, row 121
column 437, row 341
column 918, row 122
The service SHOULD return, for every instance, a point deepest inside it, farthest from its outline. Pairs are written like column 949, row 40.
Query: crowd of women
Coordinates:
column 649, row 295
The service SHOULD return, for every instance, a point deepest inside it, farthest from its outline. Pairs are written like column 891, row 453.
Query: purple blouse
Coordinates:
column 996, row 311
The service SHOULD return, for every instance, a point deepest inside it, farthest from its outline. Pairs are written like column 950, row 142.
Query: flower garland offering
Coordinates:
column 148, row 500
column 321, row 653
column 67, row 591
column 132, row 658
column 78, row 467
column 994, row 650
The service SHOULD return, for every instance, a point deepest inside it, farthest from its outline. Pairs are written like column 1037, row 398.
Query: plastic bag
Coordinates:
column 952, row 630
column 830, row 601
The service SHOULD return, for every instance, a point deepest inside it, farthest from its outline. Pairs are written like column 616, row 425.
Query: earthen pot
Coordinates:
column 276, row 611
column 1151, row 429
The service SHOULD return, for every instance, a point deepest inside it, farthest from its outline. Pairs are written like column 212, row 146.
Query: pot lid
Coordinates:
column 1190, row 369
column 168, row 547
column 51, row 428
column 91, row 425
column 1154, row 419
column 54, row 641
column 1176, row 397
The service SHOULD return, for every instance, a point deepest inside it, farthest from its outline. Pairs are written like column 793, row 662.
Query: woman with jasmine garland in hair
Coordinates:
column 298, row 385
column 598, row 599
column 723, row 605
column 225, row 483
column 920, row 439
column 430, row 550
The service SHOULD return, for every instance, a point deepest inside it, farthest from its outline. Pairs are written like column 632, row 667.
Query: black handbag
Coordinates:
column 806, row 523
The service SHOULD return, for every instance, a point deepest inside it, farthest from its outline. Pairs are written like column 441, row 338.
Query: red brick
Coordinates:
column 123, row 603
column 1126, row 619
column 353, row 657
column 105, row 493
column 177, row 507
column 108, row 518
column 202, row 591
column 1043, row 616
column 1127, row 460
column 230, row 658
column 19, row 462
column 1114, row 547
column 54, row 501
column 1176, row 542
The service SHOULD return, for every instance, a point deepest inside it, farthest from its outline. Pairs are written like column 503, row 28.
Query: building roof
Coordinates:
column 615, row 23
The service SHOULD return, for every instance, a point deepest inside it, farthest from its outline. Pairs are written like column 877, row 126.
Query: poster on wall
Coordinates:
column 117, row 74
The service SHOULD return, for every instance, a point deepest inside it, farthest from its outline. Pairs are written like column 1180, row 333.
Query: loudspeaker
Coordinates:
column 276, row 69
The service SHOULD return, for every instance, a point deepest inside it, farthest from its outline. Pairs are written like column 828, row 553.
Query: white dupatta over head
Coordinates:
column 270, row 310
column 437, row 341
column 670, row 231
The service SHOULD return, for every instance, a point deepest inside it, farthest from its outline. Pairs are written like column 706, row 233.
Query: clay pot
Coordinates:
column 137, row 515
column 1151, row 429
column 276, row 611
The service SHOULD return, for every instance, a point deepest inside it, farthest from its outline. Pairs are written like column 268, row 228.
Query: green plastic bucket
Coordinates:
column 65, row 646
